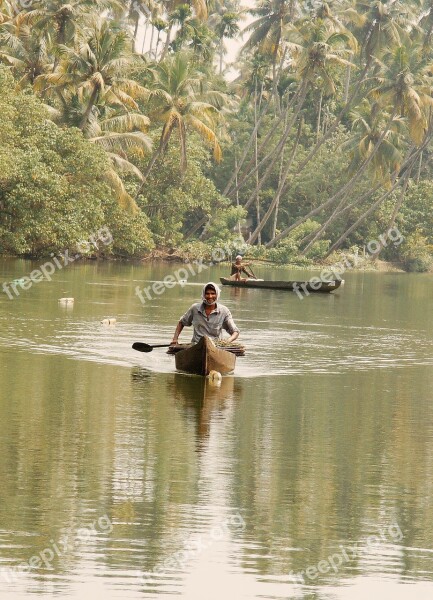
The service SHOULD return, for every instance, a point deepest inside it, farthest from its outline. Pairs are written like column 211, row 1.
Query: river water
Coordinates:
column 308, row 474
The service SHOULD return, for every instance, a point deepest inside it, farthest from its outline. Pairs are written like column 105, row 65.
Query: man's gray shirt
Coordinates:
column 220, row 318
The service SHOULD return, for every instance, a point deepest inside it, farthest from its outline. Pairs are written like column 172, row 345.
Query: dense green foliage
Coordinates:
column 121, row 115
column 52, row 184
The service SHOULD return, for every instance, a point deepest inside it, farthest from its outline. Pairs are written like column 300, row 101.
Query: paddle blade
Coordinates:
column 141, row 347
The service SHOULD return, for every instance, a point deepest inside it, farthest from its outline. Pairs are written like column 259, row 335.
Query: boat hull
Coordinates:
column 204, row 357
column 301, row 286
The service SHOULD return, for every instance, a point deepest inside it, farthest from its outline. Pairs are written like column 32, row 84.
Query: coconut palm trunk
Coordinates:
column 347, row 84
column 152, row 34
column 158, row 152
column 361, row 219
column 143, row 44
column 393, row 217
column 319, row 117
column 167, row 41
column 276, row 151
column 344, row 191
column 322, row 140
column 418, row 174
column 90, row 105
column 316, row 235
column 235, row 175
column 279, row 148
column 326, row 136
column 221, row 53
column 282, row 178
column 259, row 239
column 412, row 158
column 406, row 167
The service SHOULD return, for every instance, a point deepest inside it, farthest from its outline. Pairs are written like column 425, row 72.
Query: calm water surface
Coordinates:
column 307, row 475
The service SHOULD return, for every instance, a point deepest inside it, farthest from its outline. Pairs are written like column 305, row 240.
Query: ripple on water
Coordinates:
column 286, row 348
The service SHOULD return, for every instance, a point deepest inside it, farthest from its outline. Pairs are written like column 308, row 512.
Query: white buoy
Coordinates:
column 215, row 377
column 108, row 321
column 66, row 300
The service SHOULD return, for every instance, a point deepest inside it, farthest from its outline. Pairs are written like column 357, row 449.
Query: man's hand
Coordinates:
column 233, row 337
column 176, row 334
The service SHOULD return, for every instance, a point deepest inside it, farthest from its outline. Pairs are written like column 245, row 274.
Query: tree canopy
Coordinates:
column 124, row 112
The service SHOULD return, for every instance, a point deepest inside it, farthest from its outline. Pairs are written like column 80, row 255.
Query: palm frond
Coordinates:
column 126, row 122
column 124, row 141
column 123, row 198
column 123, row 165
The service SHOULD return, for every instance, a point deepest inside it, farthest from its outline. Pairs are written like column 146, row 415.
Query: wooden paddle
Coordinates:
column 253, row 273
column 142, row 347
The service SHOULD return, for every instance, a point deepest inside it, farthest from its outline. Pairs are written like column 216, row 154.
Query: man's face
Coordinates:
column 210, row 295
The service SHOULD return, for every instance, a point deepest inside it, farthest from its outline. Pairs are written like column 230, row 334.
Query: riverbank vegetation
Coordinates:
column 125, row 114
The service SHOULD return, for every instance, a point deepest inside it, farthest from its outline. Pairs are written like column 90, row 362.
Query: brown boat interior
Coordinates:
column 236, row 349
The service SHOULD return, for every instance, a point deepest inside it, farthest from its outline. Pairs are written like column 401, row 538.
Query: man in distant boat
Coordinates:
column 239, row 267
column 208, row 317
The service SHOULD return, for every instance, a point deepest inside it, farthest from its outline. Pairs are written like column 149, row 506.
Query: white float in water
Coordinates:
column 108, row 321
column 66, row 300
column 215, row 377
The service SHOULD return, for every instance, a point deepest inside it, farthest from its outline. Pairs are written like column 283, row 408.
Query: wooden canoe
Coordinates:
column 203, row 357
column 323, row 286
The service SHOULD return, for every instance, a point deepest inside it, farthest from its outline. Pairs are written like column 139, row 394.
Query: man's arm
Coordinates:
column 230, row 326
column 177, row 332
column 233, row 337
column 244, row 270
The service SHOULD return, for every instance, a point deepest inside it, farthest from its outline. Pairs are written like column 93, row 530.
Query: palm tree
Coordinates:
column 26, row 52
column 96, row 70
column 182, row 17
column 405, row 171
column 379, row 25
column 199, row 7
column 275, row 17
column 268, row 29
column 160, row 25
column 404, row 83
column 228, row 28
column 151, row 9
column 368, row 123
column 425, row 26
column 375, row 148
column 133, row 9
column 202, row 41
column 6, row 11
column 118, row 133
column 179, row 104
column 62, row 17
column 172, row 6
column 311, row 60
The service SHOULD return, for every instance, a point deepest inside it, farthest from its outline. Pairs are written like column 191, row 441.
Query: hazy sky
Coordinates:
column 232, row 46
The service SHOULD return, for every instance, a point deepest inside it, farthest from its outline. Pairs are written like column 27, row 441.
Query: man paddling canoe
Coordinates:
column 208, row 317
column 238, row 267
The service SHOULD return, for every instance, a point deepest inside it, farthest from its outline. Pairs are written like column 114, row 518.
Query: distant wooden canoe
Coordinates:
column 203, row 357
column 325, row 286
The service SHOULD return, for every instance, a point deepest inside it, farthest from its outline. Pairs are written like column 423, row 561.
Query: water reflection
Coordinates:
column 202, row 400
column 319, row 457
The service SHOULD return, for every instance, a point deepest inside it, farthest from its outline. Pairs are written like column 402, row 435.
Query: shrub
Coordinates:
column 415, row 254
